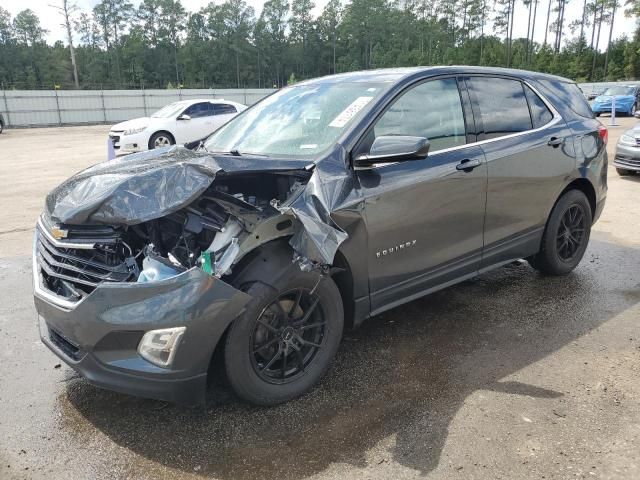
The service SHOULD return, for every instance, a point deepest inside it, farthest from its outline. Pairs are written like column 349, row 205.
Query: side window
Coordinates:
column 199, row 110
column 503, row 106
column 223, row 109
column 540, row 114
column 432, row 110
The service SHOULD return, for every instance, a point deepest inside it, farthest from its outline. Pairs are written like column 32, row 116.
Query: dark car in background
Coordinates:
column 326, row 203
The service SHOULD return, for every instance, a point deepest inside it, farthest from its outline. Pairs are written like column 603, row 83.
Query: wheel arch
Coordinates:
column 585, row 186
column 156, row 133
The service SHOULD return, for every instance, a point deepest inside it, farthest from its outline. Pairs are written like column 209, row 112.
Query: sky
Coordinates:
column 51, row 20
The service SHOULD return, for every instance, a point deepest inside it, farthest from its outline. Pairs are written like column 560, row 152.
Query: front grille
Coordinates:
column 638, row 141
column 634, row 162
column 75, row 272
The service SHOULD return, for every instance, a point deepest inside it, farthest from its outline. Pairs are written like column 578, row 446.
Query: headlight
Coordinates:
column 628, row 140
column 159, row 346
column 133, row 131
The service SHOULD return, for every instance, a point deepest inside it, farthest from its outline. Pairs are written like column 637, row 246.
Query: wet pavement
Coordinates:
column 510, row 375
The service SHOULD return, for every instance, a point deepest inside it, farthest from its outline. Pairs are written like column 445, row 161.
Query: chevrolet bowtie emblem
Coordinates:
column 59, row 233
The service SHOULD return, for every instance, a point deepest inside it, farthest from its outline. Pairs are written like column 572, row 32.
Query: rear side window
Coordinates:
column 503, row 106
column 570, row 95
column 224, row 109
column 540, row 113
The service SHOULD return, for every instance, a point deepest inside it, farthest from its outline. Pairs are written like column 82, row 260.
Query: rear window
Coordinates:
column 570, row 95
column 540, row 113
column 503, row 106
column 223, row 108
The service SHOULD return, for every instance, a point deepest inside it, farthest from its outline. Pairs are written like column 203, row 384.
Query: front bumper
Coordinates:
column 627, row 157
column 99, row 335
column 606, row 108
column 137, row 142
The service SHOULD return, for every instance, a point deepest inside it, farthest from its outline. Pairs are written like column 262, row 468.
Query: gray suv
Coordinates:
column 326, row 203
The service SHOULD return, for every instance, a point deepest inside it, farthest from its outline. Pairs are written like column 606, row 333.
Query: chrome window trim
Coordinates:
column 554, row 120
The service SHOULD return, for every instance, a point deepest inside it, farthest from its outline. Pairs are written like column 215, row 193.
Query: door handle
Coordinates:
column 468, row 164
column 555, row 142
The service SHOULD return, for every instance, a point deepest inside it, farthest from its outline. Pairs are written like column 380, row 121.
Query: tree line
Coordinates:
column 159, row 44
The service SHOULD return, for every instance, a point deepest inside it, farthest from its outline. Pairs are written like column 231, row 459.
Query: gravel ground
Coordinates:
column 510, row 375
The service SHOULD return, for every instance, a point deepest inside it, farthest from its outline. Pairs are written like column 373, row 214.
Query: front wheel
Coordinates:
column 566, row 235
column 632, row 112
column 160, row 139
column 286, row 338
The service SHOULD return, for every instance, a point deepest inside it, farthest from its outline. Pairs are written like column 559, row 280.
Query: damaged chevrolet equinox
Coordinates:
column 327, row 202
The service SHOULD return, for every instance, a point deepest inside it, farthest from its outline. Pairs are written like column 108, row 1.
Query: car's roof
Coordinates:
column 212, row 100
column 392, row 75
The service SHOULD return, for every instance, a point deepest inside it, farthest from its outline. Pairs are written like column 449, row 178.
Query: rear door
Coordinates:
column 424, row 217
column 529, row 150
column 223, row 112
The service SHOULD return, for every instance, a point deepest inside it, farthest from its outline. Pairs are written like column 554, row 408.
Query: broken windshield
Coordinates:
column 299, row 121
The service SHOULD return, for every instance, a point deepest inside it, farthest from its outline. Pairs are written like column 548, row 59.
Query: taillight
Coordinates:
column 604, row 133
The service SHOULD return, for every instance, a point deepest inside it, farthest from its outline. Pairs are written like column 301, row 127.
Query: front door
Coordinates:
column 424, row 217
column 199, row 125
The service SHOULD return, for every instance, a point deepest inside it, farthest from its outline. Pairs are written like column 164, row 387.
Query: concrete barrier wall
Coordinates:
column 34, row 108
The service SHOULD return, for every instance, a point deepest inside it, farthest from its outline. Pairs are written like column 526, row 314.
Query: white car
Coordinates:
column 179, row 122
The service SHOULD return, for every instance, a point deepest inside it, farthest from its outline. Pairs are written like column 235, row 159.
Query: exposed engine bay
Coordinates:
column 213, row 233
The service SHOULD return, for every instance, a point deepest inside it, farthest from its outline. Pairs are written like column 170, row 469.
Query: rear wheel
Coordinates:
column 623, row 173
column 597, row 114
column 286, row 338
column 632, row 112
column 566, row 235
column 160, row 139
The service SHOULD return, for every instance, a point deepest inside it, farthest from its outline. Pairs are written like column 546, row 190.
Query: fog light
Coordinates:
column 159, row 346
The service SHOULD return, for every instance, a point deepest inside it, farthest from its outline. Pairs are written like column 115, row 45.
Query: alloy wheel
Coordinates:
column 570, row 233
column 287, row 336
column 161, row 141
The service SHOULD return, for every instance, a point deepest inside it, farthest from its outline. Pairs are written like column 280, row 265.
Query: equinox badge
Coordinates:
column 395, row 248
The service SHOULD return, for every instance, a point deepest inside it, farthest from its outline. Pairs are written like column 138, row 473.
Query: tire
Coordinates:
column 161, row 139
column 561, row 252
column 632, row 112
column 262, row 343
column 1, row 127
column 623, row 173
column 597, row 114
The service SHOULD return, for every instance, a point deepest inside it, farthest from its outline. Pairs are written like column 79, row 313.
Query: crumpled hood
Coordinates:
column 137, row 188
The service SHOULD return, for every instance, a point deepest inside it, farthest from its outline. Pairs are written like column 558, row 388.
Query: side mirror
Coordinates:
column 184, row 116
column 393, row 148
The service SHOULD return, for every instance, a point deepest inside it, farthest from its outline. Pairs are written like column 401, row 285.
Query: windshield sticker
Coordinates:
column 350, row 112
column 306, row 146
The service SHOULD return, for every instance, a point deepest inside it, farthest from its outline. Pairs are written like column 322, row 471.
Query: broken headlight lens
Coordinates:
column 159, row 346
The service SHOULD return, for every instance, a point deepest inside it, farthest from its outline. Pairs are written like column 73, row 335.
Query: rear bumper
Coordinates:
column 99, row 335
